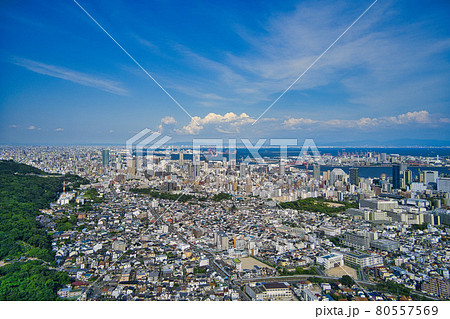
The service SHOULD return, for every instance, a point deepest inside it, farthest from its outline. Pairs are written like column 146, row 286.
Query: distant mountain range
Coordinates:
column 362, row 143
column 392, row 143
column 397, row 143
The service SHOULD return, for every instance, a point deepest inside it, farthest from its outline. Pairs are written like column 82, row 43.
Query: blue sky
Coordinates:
column 65, row 81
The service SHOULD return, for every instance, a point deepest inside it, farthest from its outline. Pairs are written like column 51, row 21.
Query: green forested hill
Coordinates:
column 23, row 191
column 11, row 167
column 30, row 280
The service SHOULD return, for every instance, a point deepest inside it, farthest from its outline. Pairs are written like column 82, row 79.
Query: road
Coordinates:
column 302, row 277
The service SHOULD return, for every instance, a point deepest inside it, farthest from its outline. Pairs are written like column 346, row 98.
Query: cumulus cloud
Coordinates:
column 228, row 123
column 31, row 127
column 418, row 117
column 168, row 120
column 293, row 122
column 167, row 124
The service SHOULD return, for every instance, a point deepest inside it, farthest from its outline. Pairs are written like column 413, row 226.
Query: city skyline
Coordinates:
column 357, row 227
column 66, row 82
column 226, row 151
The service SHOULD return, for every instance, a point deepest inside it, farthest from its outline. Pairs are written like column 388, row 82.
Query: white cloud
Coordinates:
column 71, row 75
column 228, row 123
column 31, row 127
column 192, row 128
column 293, row 122
column 417, row 117
column 167, row 124
column 168, row 120
column 59, row 129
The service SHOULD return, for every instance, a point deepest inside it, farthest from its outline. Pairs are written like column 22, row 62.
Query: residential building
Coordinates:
column 437, row 286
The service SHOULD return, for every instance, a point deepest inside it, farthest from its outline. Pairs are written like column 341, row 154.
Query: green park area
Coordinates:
column 319, row 205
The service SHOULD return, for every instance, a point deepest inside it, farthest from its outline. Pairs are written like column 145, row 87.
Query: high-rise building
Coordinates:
column 194, row 170
column 221, row 240
column 407, row 175
column 181, row 159
column 403, row 167
column 105, row 158
column 430, row 177
column 243, row 169
column 316, row 170
column 224, row 161
column 326, row 175
column 131, row 168
column 196, row 159
column 443, row 184
column 196, row 166
column 337, row 174
column 233, row 163
column 248, row 185
column 282, row 168
column 396, row 176
column 354, row 179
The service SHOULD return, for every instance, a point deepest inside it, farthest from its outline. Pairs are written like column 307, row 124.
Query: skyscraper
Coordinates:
column 105, row 158
column 243, row 169
column 233, row 163
column 396, row 176
column 131, row 168
column 316, row 170
column 181, row 159
column 407, row 175
column 282, row 168
column 337, row 174
column 430, row 177
column 354, row 179
column 403, row 167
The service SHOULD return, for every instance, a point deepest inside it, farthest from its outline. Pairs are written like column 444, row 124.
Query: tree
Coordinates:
column 24, row 190
column 73, row 220
column 347, row 281
column 30, row 281
column 221, row 196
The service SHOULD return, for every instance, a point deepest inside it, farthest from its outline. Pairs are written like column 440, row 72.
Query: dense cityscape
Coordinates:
column 177, row 227
column 259, row 159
